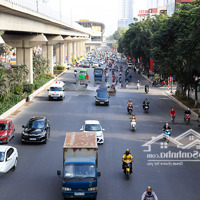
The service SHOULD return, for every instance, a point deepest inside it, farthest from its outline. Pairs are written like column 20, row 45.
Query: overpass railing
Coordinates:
column 42, row 8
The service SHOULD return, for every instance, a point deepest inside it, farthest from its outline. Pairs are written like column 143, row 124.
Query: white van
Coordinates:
column 56, row 90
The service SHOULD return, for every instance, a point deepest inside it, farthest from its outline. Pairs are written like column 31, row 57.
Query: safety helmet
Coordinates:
column 129, row 100
column 167, row 124
column 127, row 151
column 145, row 99
column 149, row 188
column 188, row 108
column 133, row 114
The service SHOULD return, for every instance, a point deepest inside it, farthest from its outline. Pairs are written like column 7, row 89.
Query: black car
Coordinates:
column 36, row 130
column 102, row 97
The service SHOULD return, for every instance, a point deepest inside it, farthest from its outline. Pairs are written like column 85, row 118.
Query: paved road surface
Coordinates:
column 35, row 176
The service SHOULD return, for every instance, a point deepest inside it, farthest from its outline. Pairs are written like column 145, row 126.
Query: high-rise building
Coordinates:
column 126, row 14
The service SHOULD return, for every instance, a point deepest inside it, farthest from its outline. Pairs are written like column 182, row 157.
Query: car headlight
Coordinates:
column 4, row 135
column 42, row 134
column 66, row 189
column 92, row 189
column 24, row 133
column 97, row 100
column 99, row 134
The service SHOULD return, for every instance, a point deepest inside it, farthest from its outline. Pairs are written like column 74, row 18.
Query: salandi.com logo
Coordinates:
column 184, row 148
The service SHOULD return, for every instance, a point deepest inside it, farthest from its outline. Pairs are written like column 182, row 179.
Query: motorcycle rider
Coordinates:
column 75, row 72
column 138, row 84
column 172, row 113
column 146, row 88
column 145, row 102
column 129, row 103
column 113, row 77
column 127, row 157
column 166, row 127
column 133, row 117
column 187, row 112
column 126, row 72
column 149, row 194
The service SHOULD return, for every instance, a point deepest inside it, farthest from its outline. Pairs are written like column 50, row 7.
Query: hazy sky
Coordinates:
column 105, row 11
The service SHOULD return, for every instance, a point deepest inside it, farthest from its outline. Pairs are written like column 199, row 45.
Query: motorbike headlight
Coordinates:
column 66, row 189
column 92, row 189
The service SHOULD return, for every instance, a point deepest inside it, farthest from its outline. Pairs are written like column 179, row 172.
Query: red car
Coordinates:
column 7, row 130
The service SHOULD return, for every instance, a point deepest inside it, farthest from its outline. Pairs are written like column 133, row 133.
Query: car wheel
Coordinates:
column 46, row 140
column 15, row 165
column 7, row 141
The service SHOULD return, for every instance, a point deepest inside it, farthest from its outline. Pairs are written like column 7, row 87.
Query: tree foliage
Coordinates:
column 172, row 42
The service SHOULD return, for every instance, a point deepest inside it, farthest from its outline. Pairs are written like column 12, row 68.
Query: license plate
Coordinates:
column 79, row 194
column 32, row 138
column 54, row 97
column 101, row 102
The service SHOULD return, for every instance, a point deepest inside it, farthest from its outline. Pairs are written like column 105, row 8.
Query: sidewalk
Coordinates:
column 169, row 94
column 30, row 98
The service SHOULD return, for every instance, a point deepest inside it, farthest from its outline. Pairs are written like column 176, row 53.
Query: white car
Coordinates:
column 8, row 158
column 94, row 125
column 56, row 90
column 95, row 64
column 68, row 66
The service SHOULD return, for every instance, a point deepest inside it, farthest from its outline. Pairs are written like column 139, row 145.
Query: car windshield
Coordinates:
column 35, row 124
column 98, row 72
column 2, row 155
column 102, row 95
column 92, row 127
column 55, row 89
column 3, row 127
column 82, row 72
column 76, row 170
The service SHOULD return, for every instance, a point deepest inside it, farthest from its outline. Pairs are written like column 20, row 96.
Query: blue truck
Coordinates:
column 80, row 175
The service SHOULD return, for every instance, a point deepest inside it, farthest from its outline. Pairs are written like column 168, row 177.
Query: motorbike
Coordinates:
column 133, row 125
column 120, row 79
column 127, row 170
column 113, row 79
column 172, row 118
column 166, row 135
column 146, row 89
column 187, row 118
column 130, row 109
column 146, row 108
column 138, row 86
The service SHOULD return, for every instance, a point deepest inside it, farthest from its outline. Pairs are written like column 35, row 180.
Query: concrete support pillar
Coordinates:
column 60, row 53
column 69, row 52
column 65, row 51
column 74, row 50
column 25, row 57
column 77, row 49
column 83, row 48
column 47, row 52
